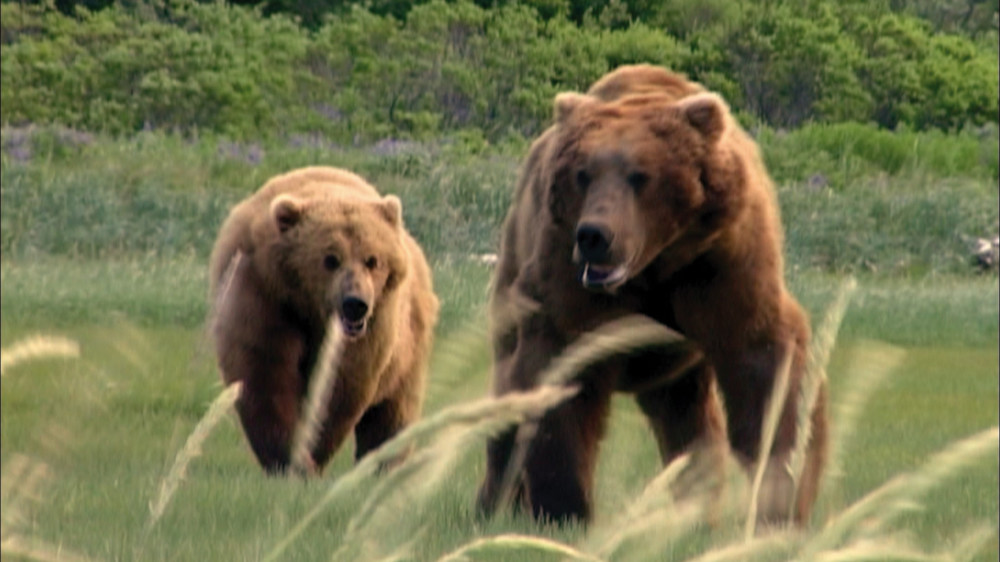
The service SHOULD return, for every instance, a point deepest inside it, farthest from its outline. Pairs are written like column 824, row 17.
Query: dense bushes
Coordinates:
column 362, row 76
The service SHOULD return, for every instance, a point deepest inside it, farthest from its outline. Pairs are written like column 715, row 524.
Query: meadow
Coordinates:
column 104, row 244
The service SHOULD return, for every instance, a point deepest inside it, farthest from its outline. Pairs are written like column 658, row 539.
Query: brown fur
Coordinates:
column 649, row 180
column 274, row 291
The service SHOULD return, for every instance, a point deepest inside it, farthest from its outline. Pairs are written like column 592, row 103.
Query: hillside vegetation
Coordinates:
column 419, row 70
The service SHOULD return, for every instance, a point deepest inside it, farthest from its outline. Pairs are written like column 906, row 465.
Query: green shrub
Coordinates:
column 844, row 153
column 361, row 76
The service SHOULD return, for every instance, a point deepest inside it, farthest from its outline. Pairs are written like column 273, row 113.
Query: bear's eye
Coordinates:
column 371, row 262
column 330, row 262
column 637, row 180
column 582, row 179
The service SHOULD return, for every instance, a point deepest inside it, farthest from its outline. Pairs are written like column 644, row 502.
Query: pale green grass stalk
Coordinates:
column 509, row 409
column 399, row 497
column 468, row 349
column 321, row 384
column 815, row 378
column 619, row 336
column 663, row 525
column 21, row 484
column 763, row 546
column 26, row 548
column 655, row 501
column 868, row 516
column 870, row 367
column 880, row 550
column 772, row 416
column 507, row 544
column 37, row 347
column 972, row 543
column 219, row 300
column 192, row 448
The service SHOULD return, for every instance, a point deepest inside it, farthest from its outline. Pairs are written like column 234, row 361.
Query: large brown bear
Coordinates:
column 646, row 197
column 310, row 244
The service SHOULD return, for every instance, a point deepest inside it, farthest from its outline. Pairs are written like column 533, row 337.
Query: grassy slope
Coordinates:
column 109, row 424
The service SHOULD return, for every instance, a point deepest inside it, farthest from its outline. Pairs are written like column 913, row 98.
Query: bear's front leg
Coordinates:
column 257, row 346
column 556, row 478
column 349, row 399
column 268, row 404
column 269, row 419
column 382, row 421
column 747, row 379
column 559, row 468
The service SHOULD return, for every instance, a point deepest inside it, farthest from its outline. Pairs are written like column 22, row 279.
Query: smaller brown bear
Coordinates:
column 310, row 244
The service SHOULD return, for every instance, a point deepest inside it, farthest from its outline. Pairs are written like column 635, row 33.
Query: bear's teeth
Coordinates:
column 602, row 275
column 353, row 328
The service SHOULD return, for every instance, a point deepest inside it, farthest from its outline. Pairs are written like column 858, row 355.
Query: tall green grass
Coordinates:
column 156, row 195
column 95, row 440
column 105, row 244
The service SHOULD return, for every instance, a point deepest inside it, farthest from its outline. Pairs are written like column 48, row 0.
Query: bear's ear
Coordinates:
column 287, row 212
column 567, row 103
column 706, row 113
column 392, row 209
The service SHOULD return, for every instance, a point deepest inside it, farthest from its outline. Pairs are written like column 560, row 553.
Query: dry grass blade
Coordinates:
column 191, row 449
column 871, row 513
column 321, row 385
column 225, row 284
column 21, row 484
column 972, row 543
column 659, row 529
column 870, row 365
column 880, row 550
column 398, row 496
column 466, row 350
column 826, row 335
column 815, row 375
column 506, row 410
column 34, row 549
column 768, row 545
column 619, row 336
column 773, row 414
column 37, row 347
column 504, row 544
column 655, row 498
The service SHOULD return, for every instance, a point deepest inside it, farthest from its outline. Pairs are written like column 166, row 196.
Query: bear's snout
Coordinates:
column 353, row 316
column 594, row 243
column 354, row 309
column 594, row 253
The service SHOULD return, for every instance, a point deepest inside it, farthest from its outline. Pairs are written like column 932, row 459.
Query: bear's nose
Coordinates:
column 354, row 309
column 593, row 242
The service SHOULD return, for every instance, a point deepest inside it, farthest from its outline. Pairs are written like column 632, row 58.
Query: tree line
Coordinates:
column 359, row 71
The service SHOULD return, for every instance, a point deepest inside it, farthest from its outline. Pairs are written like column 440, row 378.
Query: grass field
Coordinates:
column 105, row 242
column 105, row 427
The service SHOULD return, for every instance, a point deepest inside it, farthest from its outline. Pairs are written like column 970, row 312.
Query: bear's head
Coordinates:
column 339, row 255
column 640, row 176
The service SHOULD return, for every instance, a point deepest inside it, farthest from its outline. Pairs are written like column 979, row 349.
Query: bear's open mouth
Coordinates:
column 601, row 276
column 353, row 329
